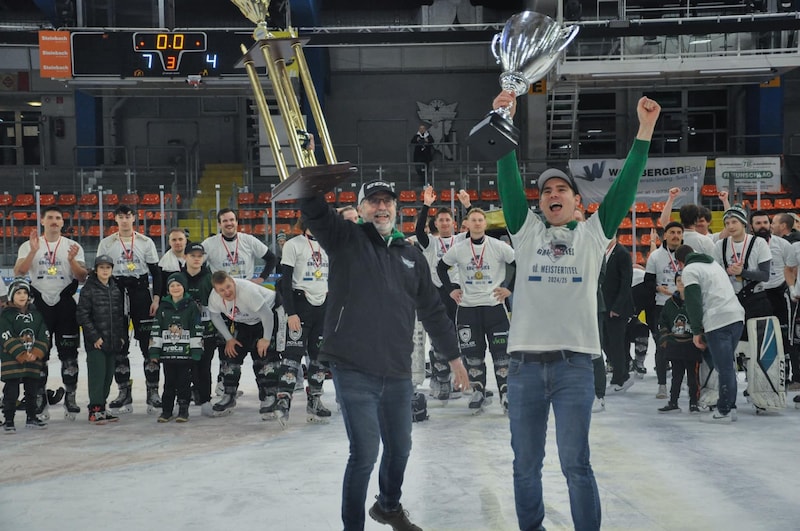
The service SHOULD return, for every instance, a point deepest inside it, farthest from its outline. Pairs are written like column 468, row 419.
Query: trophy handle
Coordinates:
column 493, row 47
column 568, row 35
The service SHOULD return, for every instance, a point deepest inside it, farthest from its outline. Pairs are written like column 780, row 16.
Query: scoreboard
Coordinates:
column 157, row 53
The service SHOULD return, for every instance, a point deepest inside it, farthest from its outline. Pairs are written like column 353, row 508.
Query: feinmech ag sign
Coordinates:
column 749, row 173
column 55, row 58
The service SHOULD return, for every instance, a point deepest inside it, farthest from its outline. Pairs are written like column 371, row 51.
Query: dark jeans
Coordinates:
column 375, row 409
column 11, row 394
column 722, row 346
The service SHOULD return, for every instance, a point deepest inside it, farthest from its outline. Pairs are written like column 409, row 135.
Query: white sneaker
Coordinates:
column 662, row 392
column 627, row 384
column 717, row 418
column 599, row 405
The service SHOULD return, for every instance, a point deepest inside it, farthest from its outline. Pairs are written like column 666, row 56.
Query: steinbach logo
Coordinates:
column 556, row 250
column 594, row 173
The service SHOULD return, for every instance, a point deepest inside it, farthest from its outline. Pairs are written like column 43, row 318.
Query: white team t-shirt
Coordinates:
column 310, row 267
column 721, row 307
column 50, row 272
column 700, row 243
column 130, row 256
column 555, row 293
column 663, row 265
column 481, row 268
column 238, row 257
column 436, row 249
column 250, row 297
column 735, row 252
column 781, row 253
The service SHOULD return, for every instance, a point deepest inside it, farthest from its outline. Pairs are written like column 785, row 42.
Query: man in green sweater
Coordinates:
column 554, row 332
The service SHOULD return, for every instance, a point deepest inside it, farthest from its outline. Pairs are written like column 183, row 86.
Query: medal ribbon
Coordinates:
column 234, row 258
column 738, row 258
column 52, row 253
column 672, row 262
column 314, row 255
column 445, row 248
column 232, row 314
column 478, row 260
column 128, row 253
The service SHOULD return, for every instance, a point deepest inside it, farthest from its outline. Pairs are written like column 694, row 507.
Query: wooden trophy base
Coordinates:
column 313, row 180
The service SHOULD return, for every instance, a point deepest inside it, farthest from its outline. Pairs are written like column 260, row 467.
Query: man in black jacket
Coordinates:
column 619, row 307
column 377, row 282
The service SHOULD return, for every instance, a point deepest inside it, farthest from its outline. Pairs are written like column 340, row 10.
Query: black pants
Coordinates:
column 62, row 322
column 440, row 367
column 692, row 371
column 661, row 359
column 307, row 341
column 475, row 325
column 265, row 368
column 11, row 394
column 615, row 347
column 177, row 375
column 138, row 292
column 201, row 370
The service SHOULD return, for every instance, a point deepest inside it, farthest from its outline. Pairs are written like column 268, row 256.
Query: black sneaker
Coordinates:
column 694, row 408
column 670, row 408
column 8, row 426
column 398, row 519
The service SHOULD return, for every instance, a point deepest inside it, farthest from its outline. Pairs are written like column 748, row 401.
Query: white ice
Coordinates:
column 654, row 471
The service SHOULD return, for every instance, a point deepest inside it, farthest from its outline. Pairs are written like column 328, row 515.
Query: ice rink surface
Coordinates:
column 654, row 471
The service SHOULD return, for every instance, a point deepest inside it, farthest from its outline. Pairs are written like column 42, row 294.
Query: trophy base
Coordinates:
column 493, row 138
column 313, row 180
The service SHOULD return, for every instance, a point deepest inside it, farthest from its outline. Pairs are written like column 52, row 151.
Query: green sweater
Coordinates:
column 177, row 332
column 21, row 332
column 612, row 210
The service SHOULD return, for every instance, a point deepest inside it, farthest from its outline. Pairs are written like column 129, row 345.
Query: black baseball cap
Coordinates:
column 195, row 247
column 373, row 187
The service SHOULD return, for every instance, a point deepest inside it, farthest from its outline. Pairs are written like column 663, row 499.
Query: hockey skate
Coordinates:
column 315, row 409
column 42, row 407
column 282, row 409
column 71, row 409
column 225, row 406
column 479, row 400
column 220, row 390
column 124, row 401
column 8, row 427
column 268, row 405
column 153, row 400
column 639, row 369
column 35, row 423
column 97, row 415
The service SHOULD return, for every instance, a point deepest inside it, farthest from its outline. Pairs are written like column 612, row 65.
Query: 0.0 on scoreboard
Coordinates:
column 164, row 52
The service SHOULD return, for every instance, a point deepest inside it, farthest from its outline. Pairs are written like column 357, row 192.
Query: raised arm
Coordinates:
column 666, row 214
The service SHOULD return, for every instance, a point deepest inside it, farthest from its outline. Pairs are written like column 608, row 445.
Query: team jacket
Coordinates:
column 375, row 288
column 101, row 314
column 177, row 331
column 22, row 331
column 199, row 287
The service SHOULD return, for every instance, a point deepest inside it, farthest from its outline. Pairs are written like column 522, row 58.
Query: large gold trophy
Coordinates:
column 275, row 53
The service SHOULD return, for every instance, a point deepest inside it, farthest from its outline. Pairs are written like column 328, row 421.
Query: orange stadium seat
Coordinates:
column 23, row 200
column 531, row 194
column 625, row 239
column 264, row 198
column 709, row 190
column 489, row 195
column 130, row 200
column 644, row 223
column 110, row 200
column 783, row 204
column 67, row 200
column 657, row 207
column 347, row 197
column 6, row 200
column 408, row 196
column 150, row 200
column 330, row 197
column 408, row 227
column 47, row 199
column 246, row 198
column 592, row 208
column 88, row 200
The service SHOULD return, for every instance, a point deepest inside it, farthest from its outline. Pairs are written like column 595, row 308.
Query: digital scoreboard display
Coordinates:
column 157, row 54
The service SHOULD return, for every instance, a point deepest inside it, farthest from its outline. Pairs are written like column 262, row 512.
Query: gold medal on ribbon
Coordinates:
column 478, row 275
column 52, row 270
column 317, row 274
column 131, row 266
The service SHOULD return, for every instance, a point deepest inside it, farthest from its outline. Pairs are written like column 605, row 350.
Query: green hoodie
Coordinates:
column 694, row 296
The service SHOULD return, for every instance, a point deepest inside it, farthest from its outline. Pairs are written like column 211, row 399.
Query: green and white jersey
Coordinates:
column 310, row 267
column 130, row 255
column 237, row 257
column 560, row 264
column 481, row 268
column 50, row 271
column 700, row 243
column 721, row 307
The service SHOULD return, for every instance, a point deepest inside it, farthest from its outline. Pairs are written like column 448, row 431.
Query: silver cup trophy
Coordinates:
column 527, row 49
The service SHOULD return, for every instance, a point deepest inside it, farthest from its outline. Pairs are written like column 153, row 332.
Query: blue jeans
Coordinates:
column 722, row 347
column 567, row 385
column 375, row 409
